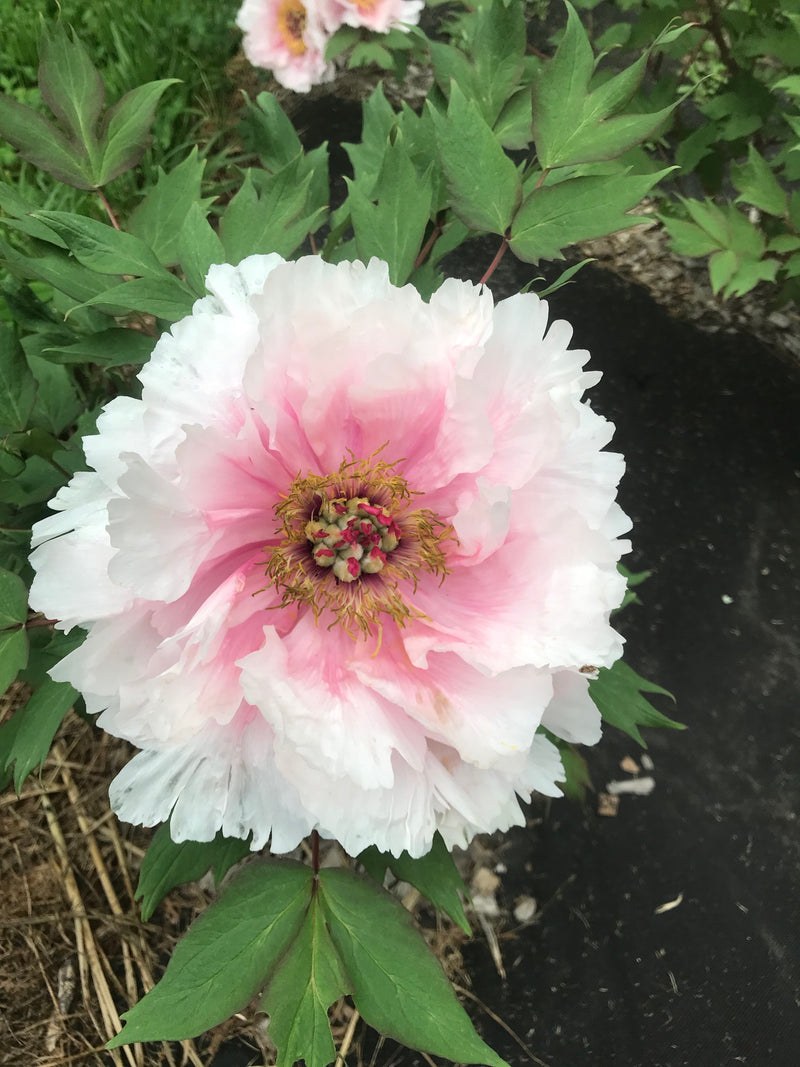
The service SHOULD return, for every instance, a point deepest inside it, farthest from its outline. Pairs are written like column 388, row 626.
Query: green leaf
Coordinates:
column 309, row 978
column 57, row 269
column 168, row 299
column 35, row 726
column 41, row 143
column 125, row 131
column 564, row 278
column 158, row 219
column 17, row 384
column 721, row 268
column 497, row 50
column 101, row 247
column 367, row 156
column 578, row 209
column 71, row 86
column 115, row 347
column 483, row 183
column 514, row 126
column 577, row 780
column 688, row 239
column 617, row 692
column 393, row 228
column 452, row 67
column 13, row 657
column 168, row 863
column 749, row 273
column 57, row 401
column 398, row 985
column 13, row 601
column 366, row 52
column 435, row 875
column 758, row 185
column 270, row 222
column 225, row 957
column 560, row 91
column 572, row 125
column 345, row 37
column 268, row 131
column 198, row 248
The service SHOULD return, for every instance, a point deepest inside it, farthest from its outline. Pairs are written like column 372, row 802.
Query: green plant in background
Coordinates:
column 736, row 139
column 86, row 299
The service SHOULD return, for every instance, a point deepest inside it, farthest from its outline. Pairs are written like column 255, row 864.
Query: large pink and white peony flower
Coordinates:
column 288, row 38
column 341, row 561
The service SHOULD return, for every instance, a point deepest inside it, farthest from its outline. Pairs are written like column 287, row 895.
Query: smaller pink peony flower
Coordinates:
column 288, row 38
column 376, row 15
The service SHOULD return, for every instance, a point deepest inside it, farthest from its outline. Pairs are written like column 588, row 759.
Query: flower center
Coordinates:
column 350, row 542
column 291, row 25
column 352, row 536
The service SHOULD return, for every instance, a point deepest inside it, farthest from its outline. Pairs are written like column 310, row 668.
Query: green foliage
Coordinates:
column 168, row 863
column 78, row 148
column 618, row 693
column 26, row 738
column 305, row 940
column 434, row 875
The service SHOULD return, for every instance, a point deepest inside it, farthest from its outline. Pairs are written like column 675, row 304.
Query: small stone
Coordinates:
column 525, row 909
column 486, row 905
column 485, row 881
column 629, row 765
column 607, row 805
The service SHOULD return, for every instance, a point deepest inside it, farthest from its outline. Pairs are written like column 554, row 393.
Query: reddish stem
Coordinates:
column 315, row 852
column 109, row 212
column 31, row 623
column 313, row 244
column 501, row 251
column 434, row 237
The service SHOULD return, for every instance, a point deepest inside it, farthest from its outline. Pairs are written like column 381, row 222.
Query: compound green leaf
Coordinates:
column 435, row 875
column 484, row 186
column 226, row 956
column 168, row 863
column 309, row 978
column 618, row 693
column 398, row 985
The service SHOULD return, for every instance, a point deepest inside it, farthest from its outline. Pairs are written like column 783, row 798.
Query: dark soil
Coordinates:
column 710, row 427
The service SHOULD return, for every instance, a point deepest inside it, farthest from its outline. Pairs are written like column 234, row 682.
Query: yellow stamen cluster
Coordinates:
column 292, row 25
column 349, row 540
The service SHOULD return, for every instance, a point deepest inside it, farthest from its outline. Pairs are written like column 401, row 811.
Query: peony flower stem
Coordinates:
column 434, row 237
column 501, row 251
column 109, row 212
column 315, row 851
